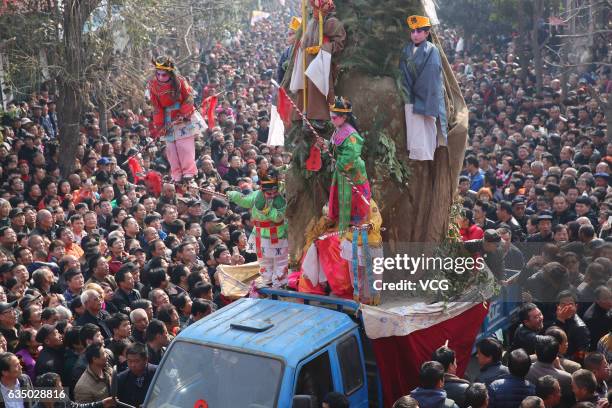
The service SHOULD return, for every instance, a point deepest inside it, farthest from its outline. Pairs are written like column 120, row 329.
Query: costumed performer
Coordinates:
column 422, row 87
column 283, row 61
column 359, row 247
column 349, row 195
column 269, row 237
column 175, row 118
column 324, row 32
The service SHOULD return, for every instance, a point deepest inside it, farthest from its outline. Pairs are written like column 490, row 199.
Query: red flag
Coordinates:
column 135, row 168
column 208, row 109
column 284, row 106
column 153, row 181
column 313, row 162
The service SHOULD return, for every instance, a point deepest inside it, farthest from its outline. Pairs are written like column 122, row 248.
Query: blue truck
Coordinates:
column 258, row 353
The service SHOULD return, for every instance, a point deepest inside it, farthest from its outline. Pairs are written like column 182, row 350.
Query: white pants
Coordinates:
column 274, row 262
column 421, row 135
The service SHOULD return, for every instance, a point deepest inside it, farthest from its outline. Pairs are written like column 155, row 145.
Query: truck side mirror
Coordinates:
column 304, row 401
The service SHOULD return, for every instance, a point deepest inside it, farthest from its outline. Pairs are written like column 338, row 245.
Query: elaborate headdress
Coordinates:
column 324, row 5
column 164, row 63
column 341, row 105
column 268, row 180
column 415, row 22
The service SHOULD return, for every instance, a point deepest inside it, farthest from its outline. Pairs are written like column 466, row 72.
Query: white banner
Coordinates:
column 318, row 71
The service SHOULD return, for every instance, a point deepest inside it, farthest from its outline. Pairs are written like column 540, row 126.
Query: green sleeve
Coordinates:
column 244, row 201
column 277, row 212
column 349, row 152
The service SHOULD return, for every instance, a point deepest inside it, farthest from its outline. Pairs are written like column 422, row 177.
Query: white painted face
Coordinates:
column 419, row 35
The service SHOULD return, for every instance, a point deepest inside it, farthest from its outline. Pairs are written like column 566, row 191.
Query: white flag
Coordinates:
column 318, row 71
column 257, row 16
column 297, row 75
column 276, row 132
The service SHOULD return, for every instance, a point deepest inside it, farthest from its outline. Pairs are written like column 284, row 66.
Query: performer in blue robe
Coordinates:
column 422, row 87
column 283, row 61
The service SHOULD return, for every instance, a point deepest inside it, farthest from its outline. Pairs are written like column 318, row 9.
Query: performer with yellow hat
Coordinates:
column 324, row 37
column 350, row 192
column 283, row 62
column 423, row 92
column 175, row 118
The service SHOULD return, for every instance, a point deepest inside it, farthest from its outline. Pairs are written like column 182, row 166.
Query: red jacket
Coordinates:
column 162, row 98
column 472, row 232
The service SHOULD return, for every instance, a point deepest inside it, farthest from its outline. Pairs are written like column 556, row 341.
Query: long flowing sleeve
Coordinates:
column 333, row 30
column 428, row 87
column 158, row 110
column 277, row 211
column 187, row 102
column 244, row 201
column 408, row 72
column 349, row 153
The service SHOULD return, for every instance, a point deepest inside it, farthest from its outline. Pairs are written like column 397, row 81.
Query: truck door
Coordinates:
column 315, row 377
column 352, row 369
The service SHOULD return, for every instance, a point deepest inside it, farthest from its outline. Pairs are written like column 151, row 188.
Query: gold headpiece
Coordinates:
column 295, row 23
column 415, row 22
column 163, row 63
column 341, row 105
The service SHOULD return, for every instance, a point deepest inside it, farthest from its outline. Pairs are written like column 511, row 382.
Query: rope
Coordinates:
column 363, row 227
column 313, row 130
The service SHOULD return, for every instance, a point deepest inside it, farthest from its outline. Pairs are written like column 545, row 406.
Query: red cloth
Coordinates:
column 359, row 209
column 284, row 106
column 399, row 358
column 208, row 109
column 472, row 232
column 161, row 98
column 313, row 162
column 153, row 181
column 136, row 169
column 335, row 268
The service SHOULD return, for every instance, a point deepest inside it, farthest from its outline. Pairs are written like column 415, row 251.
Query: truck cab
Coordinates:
column 258, row 353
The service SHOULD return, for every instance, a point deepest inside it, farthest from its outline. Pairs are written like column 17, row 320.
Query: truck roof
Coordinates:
column 296, row 331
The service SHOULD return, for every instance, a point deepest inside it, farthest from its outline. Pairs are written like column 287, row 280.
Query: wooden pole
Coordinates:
column 304, row 24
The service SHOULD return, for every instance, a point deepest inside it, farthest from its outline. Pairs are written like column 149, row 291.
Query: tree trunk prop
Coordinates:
column 414, row 197
column 72, row 79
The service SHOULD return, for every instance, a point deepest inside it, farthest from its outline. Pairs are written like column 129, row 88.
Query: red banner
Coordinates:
column 208, row 110
column 399, row 358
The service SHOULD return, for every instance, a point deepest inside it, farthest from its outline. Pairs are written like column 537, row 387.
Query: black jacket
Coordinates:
column 455, row 388
column 599, row 321
column 492, row 372
column 509, row 391
column 123, row 301
column 98, row 321
column 525, row 338
column 578, row 335
column 132, row 390
column 49, row 361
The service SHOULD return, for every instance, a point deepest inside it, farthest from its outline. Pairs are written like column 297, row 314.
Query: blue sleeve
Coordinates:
column 407, row 76
column 429, row 86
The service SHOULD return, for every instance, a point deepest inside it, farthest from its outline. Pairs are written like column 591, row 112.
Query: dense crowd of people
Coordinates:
column 535, row 193
column 100, row 270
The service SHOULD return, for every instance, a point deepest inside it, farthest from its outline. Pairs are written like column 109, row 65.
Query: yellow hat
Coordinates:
column 415, row 22
column 295, row 23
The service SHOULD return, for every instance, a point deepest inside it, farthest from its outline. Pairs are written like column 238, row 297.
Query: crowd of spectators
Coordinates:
column 536, row 197
column 101, row 269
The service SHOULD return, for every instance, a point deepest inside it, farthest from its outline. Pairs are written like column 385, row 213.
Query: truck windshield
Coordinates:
column 193, row 374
